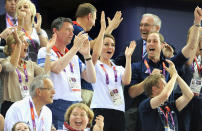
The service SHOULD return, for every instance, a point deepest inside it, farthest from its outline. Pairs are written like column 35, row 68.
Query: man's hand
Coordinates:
column 172, row 71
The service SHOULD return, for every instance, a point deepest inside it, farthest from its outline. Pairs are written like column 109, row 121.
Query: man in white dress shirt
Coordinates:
column 32, row 110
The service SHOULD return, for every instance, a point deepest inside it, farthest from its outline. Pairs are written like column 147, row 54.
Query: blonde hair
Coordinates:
column 31, row 6
column 11, row 40
column 82, row 106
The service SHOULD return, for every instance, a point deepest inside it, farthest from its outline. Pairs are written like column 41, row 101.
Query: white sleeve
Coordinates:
column 41, row 57
column 43, row 33
column 12, row 117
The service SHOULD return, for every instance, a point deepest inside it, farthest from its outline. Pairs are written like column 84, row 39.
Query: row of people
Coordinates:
column 63, row 31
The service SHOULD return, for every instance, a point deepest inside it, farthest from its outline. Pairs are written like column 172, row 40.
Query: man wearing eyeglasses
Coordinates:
column 32, row 110
column 149, row 23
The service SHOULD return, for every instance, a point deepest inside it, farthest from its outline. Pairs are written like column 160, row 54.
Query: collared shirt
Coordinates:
column 152, row 119
column 77, row 29
column 101, row 96
column 11, row 20
column 60, row 80
column 144, row 52
column 20, row 111
column 10, row 79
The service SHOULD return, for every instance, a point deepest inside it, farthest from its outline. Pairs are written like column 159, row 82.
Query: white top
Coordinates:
column 61, row 85
column 101, row 96
column 20, row 111
column 35, row 36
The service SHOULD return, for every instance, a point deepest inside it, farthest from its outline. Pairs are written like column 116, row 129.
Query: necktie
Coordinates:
column 144, row 49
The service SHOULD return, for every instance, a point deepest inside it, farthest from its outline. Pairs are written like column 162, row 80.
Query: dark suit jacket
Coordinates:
column 136, row 56
column 2, row 27
column 2, row 22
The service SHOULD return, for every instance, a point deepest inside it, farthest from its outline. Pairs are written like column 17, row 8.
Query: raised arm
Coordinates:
column 99, row 41
column 167, row 90
column 189, row 50
column 114, row 23
column 89, row 73
column 187, row 94
column 60, row 64
column 51, row 43
column 138, row 89
column 126, row 78
column 42, row 38
column 15, row 55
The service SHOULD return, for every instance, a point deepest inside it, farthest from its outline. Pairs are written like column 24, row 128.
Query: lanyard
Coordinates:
column 25, row 72
column 30, row 39
column 33, row 117
column 198, row 68
column 9, row 21
column 75, row 23
column 165, row 114
column 148, row 68
column 58, row 53
column 106, row 74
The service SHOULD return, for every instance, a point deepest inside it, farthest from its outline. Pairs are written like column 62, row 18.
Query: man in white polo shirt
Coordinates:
column 66, row 68
column 32, row 110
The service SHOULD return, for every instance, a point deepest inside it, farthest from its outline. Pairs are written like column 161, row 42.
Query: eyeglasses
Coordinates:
column 145, row 25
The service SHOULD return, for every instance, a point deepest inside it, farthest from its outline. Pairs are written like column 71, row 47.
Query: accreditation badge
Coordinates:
column 24, row 91
column 196, row 84
column 74, row 83
column 116, row 97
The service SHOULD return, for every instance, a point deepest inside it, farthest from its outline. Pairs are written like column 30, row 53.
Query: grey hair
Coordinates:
column 157, row 20
column 58, row 22
column 38, row 82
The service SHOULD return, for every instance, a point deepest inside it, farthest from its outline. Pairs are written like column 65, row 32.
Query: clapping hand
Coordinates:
column 37, row 24
column 172, row 71
column 6, row 33
column 197, row 15
column 129, row 50
column 51, row 42
column 114, row 23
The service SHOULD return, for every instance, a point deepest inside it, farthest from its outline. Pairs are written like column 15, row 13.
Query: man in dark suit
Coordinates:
column 9, row 18
column 149, row 23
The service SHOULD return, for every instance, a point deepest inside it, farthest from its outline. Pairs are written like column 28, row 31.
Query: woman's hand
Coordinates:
column 37, row 24
column 129, row 50
column 6, row 33
column 99, row 123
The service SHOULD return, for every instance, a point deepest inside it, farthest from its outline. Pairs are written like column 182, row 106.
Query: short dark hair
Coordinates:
column 84, row 9
column 58, row 22
column 110, row 36
column 151, row 81
column 160, row 36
